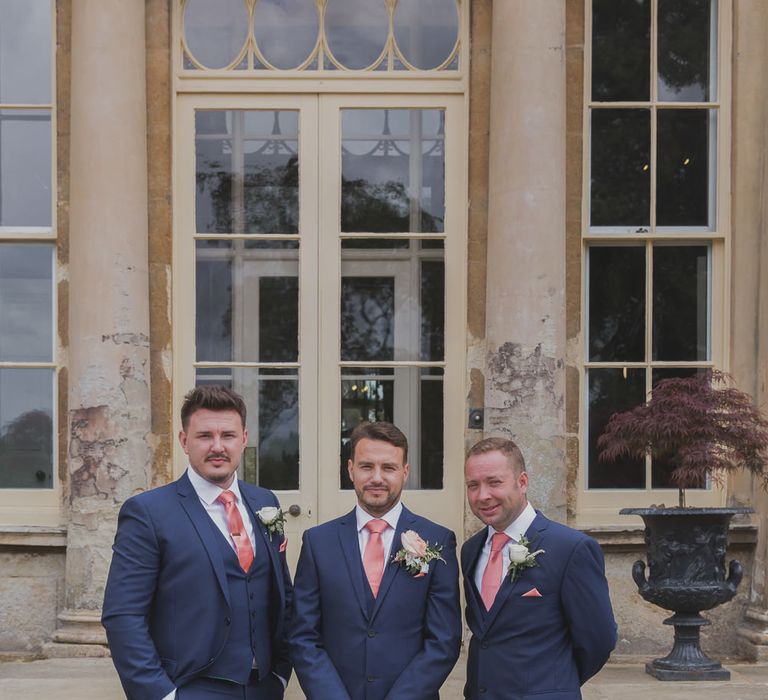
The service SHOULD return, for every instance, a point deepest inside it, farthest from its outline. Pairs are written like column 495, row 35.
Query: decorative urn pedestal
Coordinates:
column 686, row 559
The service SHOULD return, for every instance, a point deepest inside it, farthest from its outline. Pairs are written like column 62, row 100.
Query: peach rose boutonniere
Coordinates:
column 416, row 554
column 520, row 558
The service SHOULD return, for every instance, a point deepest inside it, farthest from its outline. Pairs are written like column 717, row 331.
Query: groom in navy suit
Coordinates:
column 537, row 597
column 365, row 627
column 198, row 591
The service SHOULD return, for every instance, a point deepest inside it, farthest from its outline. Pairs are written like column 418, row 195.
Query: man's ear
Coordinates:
column 183, row 441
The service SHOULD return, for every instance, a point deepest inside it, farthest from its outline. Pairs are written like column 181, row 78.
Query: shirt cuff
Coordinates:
column 279, row 677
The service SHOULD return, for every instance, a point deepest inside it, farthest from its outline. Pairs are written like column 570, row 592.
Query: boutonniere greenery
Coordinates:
column 416, row 554
column 273, row 519
column 520, row 557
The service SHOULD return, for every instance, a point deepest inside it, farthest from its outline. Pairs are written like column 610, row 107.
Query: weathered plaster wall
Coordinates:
column 525, row 297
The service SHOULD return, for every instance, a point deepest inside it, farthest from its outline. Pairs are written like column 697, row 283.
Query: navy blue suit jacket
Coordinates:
column 529, row 647
column 408, row 644
column 166, row 608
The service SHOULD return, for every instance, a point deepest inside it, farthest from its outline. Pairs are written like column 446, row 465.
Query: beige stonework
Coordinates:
column 525, row 312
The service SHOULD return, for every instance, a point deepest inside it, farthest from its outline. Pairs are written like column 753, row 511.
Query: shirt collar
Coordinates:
column 519, row 526
column 208, row 492
column 391, row 516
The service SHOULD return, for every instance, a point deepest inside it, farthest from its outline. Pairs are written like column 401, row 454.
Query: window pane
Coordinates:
column 26, row 303
column 426, row 31
column 25, row 168
column 285, row 31
column 215, row 32
column 392, row 303
column 272, row 398
column 26, row 428
column 25, row 52
column 393, row 170
column 612, row 391
column 685, row 42
column 409, row 397
column 684, row 173
column 247, row 171
column 247, row 302
column 661, row 468
column 621, row 50
column 680, row 303
column 616, row 304
column 356, row 31
column 620, row 167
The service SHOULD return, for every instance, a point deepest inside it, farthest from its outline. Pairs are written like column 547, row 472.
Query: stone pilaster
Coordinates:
column 749, row 271
column 525, row 314
column 109, row 453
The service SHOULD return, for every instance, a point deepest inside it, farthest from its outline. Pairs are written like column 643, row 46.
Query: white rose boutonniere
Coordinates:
column 520, row 557
column 416, row 554
column 273, row 519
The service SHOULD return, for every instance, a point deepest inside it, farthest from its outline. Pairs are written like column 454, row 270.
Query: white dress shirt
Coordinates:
column 363, row 535
column 516, row 529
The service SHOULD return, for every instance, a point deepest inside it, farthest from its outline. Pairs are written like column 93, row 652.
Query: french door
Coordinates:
column 320, row 270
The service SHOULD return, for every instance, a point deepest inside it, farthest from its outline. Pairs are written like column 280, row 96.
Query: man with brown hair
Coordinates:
column 537, row 597
column 376, row 614
column 198, row 591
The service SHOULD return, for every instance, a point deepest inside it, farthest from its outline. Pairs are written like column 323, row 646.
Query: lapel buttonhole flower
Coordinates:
column 416, row 554
column 273, row 519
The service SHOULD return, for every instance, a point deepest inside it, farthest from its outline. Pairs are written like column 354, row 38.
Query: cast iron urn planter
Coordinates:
column 686, row 561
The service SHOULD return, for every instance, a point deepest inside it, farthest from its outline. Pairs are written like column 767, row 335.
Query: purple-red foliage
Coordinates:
column 703, row 424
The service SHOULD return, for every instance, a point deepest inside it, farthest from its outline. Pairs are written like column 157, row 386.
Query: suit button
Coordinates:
column 251, row 596
column 371, row 679
column 484, row 645
column 227, row 621
column 371, row 633
column 483, row 689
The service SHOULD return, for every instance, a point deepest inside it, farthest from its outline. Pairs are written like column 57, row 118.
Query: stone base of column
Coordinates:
column 753, row 635
column 80, row 634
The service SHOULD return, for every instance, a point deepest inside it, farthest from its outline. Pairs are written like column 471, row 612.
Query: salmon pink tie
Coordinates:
column 373, row 556
column 237, row 530
column 491, row 582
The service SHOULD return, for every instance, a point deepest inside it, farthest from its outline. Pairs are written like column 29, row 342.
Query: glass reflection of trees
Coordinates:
column 26, row 451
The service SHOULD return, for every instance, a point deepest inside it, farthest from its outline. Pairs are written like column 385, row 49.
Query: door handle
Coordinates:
column 294, row 510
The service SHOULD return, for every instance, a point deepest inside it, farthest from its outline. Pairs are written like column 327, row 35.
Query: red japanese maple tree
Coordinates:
column 703, row 425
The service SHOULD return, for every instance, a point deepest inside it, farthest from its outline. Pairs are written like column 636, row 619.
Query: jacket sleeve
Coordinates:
column 317, row 675
column 587, row 607
column 427, row 671
column 127, row 602
column 281, row 664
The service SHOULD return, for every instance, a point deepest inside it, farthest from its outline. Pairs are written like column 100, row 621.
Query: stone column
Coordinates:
column 749, row 274
column 525, row 314
column 109, row 452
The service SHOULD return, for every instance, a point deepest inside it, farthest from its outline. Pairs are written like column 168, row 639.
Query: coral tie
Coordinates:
column 491, row 582
column 373, row 556
column 237, row 530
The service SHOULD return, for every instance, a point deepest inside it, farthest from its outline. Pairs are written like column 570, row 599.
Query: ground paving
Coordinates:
column 95, row 679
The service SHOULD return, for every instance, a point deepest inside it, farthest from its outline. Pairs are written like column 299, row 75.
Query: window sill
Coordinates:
column 618, row 538
column 33, row 536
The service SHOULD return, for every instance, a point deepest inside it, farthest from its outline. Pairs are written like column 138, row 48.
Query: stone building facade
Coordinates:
column 470, row 217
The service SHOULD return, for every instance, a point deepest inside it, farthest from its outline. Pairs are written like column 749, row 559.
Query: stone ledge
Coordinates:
column 33, row 536
column 621, row 537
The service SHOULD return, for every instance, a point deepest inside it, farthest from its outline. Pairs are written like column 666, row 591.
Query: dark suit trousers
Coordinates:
column 213, row 689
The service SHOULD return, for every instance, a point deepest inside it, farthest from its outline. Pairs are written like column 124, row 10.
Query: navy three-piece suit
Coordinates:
column 177, row 605
column 346, row 645
column 545, row 646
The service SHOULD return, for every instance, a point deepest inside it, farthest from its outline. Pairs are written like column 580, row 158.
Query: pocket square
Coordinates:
column 284, row 544
column 533, row 593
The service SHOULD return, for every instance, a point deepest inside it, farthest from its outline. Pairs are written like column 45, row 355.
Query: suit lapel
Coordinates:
column 391, row 569
column 202, row 524
column 350, row 546
column 473, row 549
column 253, row 505
column 534, row 535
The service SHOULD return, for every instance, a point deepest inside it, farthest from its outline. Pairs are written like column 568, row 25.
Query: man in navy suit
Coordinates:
column 537, row 597
column 198, row 591
column 364, row 626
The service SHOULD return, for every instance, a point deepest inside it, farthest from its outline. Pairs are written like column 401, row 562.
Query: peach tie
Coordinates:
column 237, row 530
column 373, row 556
column 491, row 582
